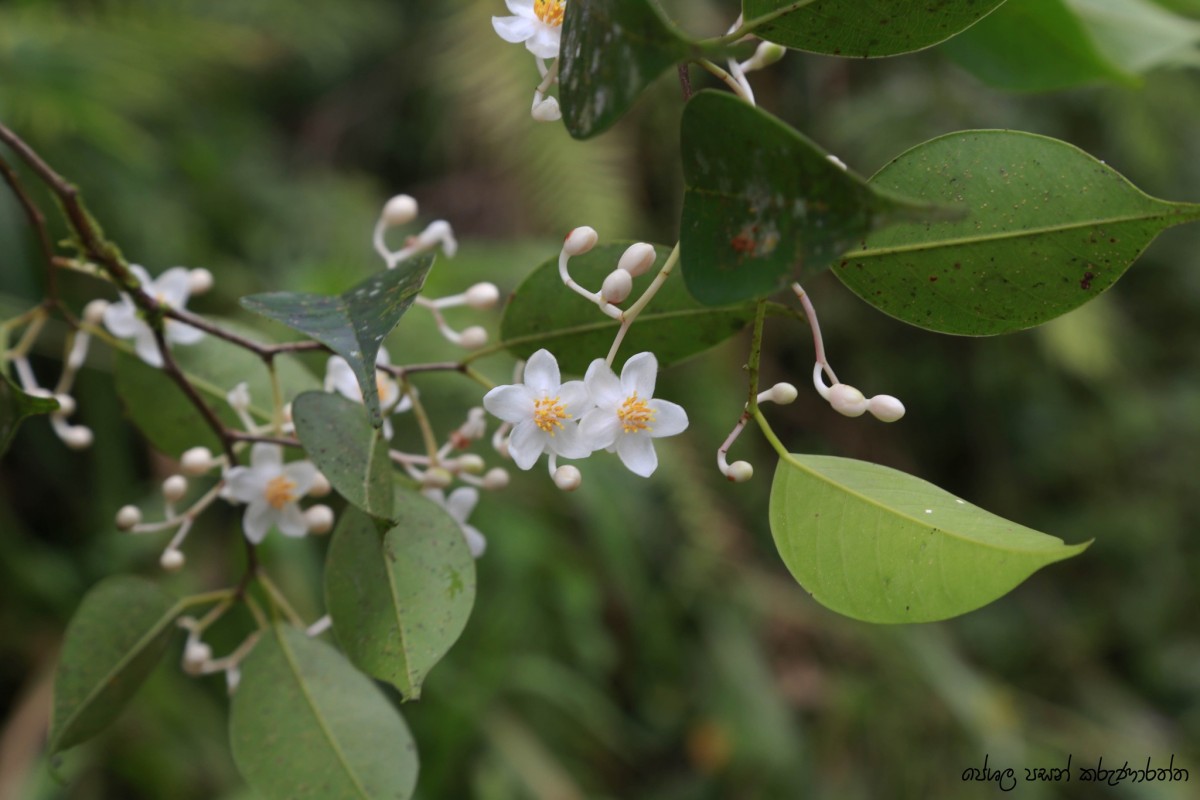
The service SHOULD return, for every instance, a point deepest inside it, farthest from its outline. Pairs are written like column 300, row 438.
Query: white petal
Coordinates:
column 301, row 473
column 340, row 378
column 514, row 29
column 146, row 346
column 436, row 495
column 567, row 442
column 527, row 443
column 257, row 520
column 577, row 399
column 388, row 429
column 522, row 8
column 545, row 41
column 143, row 277
column 122, row 320
column 669, row 418
column 461, row 502
column 389, row 390
column 599, row 428
column 639, row 374
column 637, row 453
column 510, row 403
column 405, row 404
column 603, row 384
column 244, row 484
column 173, row 287
column 541, row 373
column 182, row 333
column 290, row 520
column 264, row 455
column 475, row 541
column 382, row 359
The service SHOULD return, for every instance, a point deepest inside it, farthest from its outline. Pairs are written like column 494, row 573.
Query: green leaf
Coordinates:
column 15, row 406
column 304, row 724
column 339, row 439
column 1138, row 35
column 878, row 545
column 399, row 600
column 117, row 637
column 611, row 50
column 1033, row 45
column 545, row 313
column 761, row 201
column 862, row 30
column 354, row 323
column 1050, row 228
column 156, row 405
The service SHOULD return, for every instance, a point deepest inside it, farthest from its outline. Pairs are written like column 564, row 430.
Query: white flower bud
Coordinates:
column 547, row 110
column 885, row 408
column 616, row 286
column 66, row 404
column 200, row 280
column 196, row 461
column 172, row 560
column 233, row 676
column 400, row 210
column 320, row 486
column 783, row 393
column 239, row 397
column 319, row 519
column 77, row 437
column 174, row 488
column 740, row 472
column 127, row 517
column 567, row 478
column 767, row 54
column 436, row 478
column 473, row 337
column 93, row 312
column 471, row 462
column 482, row 295
column 637, row 259
column 847, row 400
column 476, row 425
column 496, row 478
column 580, row 240
column 196, row 655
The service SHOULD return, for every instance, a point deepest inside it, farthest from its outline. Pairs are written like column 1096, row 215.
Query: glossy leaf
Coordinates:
column 339, row 439
column 878, row 545
column 1050, row 228
column 354, row 323
column 116, row 638
column 15, row 406
column 611, row 50
column 399, row 599
column 761, row 202
column 306, row 725
column 863, row 30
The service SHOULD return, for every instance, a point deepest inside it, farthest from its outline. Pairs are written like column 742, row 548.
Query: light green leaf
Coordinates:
column 1050, row 228
column 354, row 323
column 878, row 545
column 611, row 50
column 856, row 29
column 15, row 406
column 306, row 725
column 339, row 439
column 116, row 638
column 399, row 599
column 761, row 202
column 545, row 313
column 1138, row 35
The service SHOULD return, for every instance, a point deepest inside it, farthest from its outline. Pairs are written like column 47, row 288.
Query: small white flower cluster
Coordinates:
column 538, row 25
column 172, row 289
column 637, row 260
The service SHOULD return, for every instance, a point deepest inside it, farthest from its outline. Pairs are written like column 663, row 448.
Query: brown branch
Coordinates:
column 37, row 221
column 240, row 436
column 685, row 82
column 434, row 366
column 264, row 351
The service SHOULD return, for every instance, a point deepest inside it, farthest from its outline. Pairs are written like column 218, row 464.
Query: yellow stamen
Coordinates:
column 635, row 415
column 549, row 11
column 280, row 491
column 548, row 413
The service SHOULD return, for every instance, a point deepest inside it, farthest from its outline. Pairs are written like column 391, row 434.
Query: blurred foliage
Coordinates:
column 651, row 647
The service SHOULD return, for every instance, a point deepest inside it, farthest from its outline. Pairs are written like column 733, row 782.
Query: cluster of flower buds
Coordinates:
column 637, row 260
column 400, row 211
column 850, row 402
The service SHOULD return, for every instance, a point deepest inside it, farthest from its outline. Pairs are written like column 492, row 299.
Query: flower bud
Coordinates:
column 740, row 472
column 400, row 210
column 172, row 560
column 66, row 404
column 320, row 486
column 319, row 519
column 580, row 240
column 471, row 462
column 767, row 54
column 440, row 231
column 847, row 400
column 637, row 259
column 200, row 280
column 127, row 517
column 567, row 478
column 196, row 461
column 783, row 393
column 77, row 437
column 239, row 397
column 547, row 110
column 473, row 337
column 616, row 286
column 885, row 408
column 496, row 478
column 482, row 295
column 196, row 655
column 174, row 488
column 93, row 312
column 436, row 478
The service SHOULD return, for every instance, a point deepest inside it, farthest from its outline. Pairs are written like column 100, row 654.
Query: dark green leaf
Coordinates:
column 1050, row 228
column 761, row 202
column 306, row 725
column 354, row 323
column 863, row 30
column 339, row 439
column 399, row 600
column 117, row 637
column 882, row 546
column 15, row 406
column 611, row 51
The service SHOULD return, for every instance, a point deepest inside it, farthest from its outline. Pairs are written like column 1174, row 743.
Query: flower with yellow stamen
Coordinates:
column 271, row 491
column 537, row 23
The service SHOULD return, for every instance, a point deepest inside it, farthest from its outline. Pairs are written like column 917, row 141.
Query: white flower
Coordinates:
column 538, row 23
column 543, row 412
column 341, row 379
column 123, row 321
column 627, row 416
column 459, row 505
column 271, row 489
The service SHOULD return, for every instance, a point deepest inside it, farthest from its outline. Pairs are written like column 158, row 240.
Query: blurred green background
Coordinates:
column 638, row 639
